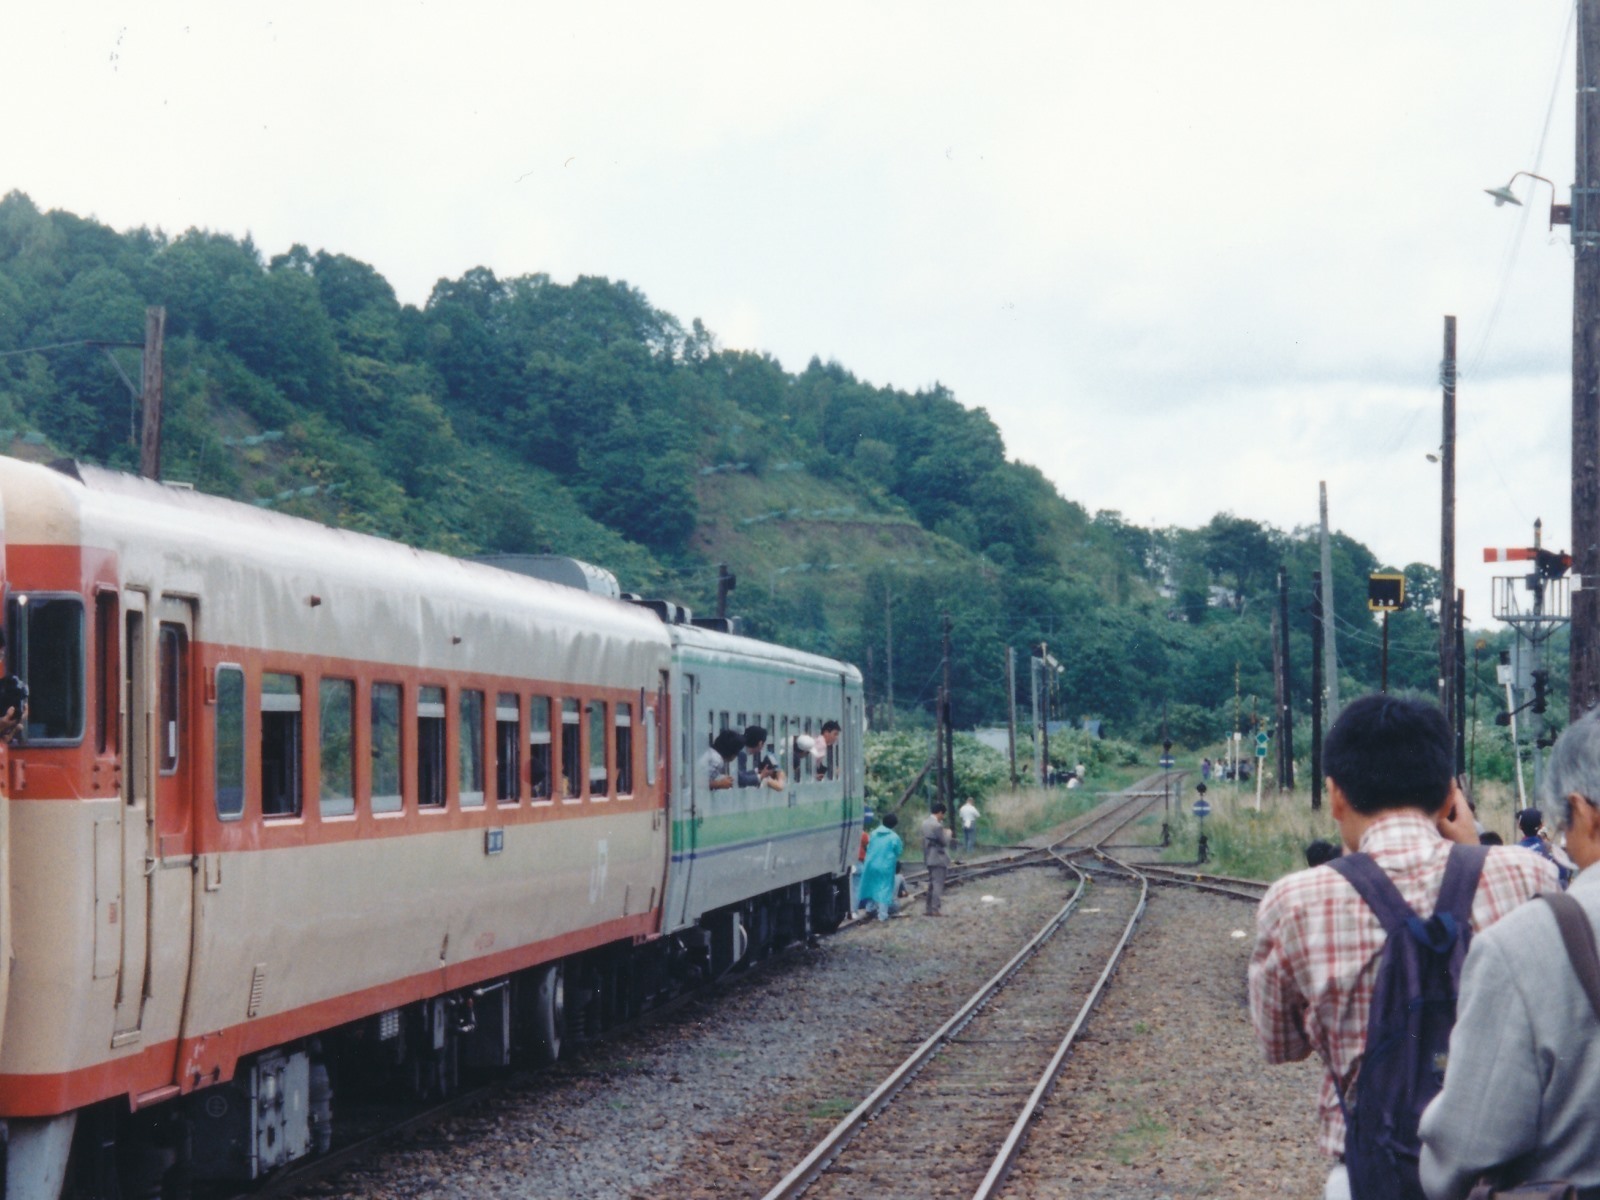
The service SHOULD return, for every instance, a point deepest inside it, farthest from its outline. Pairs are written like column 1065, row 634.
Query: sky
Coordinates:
column 1191, row 258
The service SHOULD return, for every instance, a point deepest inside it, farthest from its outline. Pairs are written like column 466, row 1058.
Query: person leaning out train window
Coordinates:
column 718, row 761
column 13, row 701
column 824, row 748
column 755, row 766
column 803, row 745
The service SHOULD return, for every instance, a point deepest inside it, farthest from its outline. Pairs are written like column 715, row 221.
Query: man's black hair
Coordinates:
column 1529, row 821
column 1321, row 851
column 938, row 807
column 890, row 820
column 754, row 735
column 728, row 743
column 1387, row 752
column 829, row 726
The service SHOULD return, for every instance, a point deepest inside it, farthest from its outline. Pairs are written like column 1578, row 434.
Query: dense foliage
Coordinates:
column 524, row 415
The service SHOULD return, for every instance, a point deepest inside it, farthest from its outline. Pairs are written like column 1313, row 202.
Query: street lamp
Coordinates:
column 1560, row 214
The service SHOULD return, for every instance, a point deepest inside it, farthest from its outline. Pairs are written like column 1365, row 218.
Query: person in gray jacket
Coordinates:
column 1522, row 1085
column 936, row 837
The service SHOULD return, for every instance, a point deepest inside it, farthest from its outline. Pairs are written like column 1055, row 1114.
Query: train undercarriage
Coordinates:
column 285, row 1104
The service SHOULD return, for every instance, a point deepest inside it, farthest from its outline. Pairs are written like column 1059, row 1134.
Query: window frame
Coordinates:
column 293, row 734
column 469, row 748
column 508, row 750
column 393, row 803
column 340, row 812
column 432, row 775
column 223, row 702
column 17, row 653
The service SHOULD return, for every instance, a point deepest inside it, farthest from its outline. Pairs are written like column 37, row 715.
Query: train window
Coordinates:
column 174, row 644
column 599, row 784
column 430, row 747
column 47, row 653
column 723, row 723
column 507, row 749
column 624, row 739
column 539, row 755
column 280, row 745
column 386, row 725
column 571, row 764
column 742, row 724
column 469, row 748
column 230, row 743
column 336, row 713
column 652, row 743
column 109, row 653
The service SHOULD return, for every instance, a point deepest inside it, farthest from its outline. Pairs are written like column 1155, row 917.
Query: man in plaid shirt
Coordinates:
column 1389, row 763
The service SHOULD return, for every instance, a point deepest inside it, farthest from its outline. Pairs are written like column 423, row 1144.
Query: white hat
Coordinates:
column 803, row 743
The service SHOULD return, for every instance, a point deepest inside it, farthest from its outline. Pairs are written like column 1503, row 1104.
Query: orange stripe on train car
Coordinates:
column 213, row 1058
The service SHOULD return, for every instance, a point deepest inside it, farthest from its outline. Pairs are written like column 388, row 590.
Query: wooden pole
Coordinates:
column 1011, row 710
column 1330, row 646
column 1286, row 712
column 1585, row 652
column 155, row 325
column 1447, row 529
column 1461, row 681
column 949, row 733
column 888, row 657
column 1316, row 690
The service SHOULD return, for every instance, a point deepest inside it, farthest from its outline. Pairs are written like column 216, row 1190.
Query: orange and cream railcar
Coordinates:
column 278, row 780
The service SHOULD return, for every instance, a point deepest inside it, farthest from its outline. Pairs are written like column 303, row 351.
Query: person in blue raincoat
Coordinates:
column 878, row 873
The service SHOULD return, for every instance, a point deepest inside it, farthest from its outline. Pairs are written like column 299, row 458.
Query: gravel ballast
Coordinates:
column 1167, row 1097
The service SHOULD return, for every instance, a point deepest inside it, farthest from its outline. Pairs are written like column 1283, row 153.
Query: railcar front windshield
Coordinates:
column 45, row 636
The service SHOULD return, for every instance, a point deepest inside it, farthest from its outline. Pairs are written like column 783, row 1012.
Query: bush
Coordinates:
column 895, row 758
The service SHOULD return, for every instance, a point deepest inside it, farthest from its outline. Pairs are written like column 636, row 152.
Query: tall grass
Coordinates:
column 1271, row 843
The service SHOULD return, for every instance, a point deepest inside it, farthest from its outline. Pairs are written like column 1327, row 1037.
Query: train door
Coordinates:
column 137, row 812
column 848, row 749
column 685, row 807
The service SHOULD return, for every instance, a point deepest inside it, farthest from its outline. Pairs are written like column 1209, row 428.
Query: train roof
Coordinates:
column 738, row 646
column 200, row 537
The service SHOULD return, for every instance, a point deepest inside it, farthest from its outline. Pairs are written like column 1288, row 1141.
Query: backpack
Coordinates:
column 1408, row 1026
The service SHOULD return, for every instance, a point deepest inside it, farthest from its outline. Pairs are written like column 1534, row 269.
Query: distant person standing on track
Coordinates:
column 969, row 815
column 936, row 839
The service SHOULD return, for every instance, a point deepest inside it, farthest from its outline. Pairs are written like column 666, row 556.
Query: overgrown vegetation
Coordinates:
column 523, row 415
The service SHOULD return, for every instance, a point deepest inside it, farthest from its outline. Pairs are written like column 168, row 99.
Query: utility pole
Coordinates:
column 948, row 788
column 1035, row 662
column 726, row 582
column 1286, row 712
column 1585, row 652
column 1279, row 670
column 155, row 325
column 1461, row 681
column 1044, row 725
column 888, row 658
column 1447, row 532
column 1011, row 710
column 1330, row 652
column 1316, row 689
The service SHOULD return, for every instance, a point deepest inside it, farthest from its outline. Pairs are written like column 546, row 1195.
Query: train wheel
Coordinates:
column 549, row 1013
column 828, row 905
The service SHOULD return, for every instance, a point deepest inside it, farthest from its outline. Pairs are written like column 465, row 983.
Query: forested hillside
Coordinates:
column 524, row 415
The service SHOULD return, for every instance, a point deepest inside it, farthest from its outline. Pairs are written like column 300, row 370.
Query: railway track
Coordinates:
column 981, row 1078
column 983, row 1074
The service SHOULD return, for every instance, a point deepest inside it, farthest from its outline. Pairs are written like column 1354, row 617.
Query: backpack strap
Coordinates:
column 1460, row 884
column 1578, row 936
column 1376, row 888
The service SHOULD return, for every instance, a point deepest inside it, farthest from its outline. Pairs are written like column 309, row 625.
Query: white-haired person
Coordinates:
column 1521, row 1098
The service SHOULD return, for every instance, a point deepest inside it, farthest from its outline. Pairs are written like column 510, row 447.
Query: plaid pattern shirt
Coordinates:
column 1317, row 947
